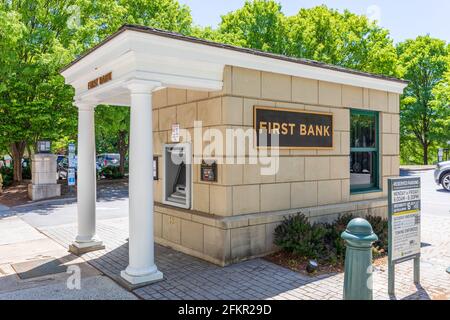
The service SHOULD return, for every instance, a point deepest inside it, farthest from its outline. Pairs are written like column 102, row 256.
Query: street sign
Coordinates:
column 72, row 165
column 440, row 154
column 404, row 225
column 71, row 177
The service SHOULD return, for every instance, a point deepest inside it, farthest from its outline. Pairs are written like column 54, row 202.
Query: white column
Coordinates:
column 141, row 269
column 86, row 239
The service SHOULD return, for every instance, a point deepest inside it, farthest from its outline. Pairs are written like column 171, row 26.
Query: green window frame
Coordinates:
column 374, row 185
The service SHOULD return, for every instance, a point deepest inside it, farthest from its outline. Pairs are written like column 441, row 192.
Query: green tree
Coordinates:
column 259, row 24
column 343, row 39
column 38, row 37
column 441, row 104
column 423, row 61
column 98, row 19
column 35, row 103
column 113, row 127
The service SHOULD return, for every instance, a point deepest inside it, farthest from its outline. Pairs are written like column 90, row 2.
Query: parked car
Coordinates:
column 442, row 174
column 108, row 160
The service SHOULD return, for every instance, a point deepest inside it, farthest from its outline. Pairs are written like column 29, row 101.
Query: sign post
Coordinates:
column 71, row 166
column 440, row 154
column 404, row 226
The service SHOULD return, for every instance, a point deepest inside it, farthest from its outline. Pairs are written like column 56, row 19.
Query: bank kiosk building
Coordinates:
column 225, row 142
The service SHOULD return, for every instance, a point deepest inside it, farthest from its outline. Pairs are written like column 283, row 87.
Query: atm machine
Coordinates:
column 177, row 175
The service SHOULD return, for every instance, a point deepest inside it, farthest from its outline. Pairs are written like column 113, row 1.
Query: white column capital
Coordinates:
column 137, row 86
column 85, row 105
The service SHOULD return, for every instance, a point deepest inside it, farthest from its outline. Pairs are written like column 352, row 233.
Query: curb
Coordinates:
column 51, row 201
column 417, row 169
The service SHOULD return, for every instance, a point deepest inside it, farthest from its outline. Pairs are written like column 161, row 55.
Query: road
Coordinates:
column 435, row 200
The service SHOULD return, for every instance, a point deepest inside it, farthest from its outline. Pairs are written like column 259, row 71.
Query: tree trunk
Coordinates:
column 17, row 150
column 425, row 154
column 122, row 144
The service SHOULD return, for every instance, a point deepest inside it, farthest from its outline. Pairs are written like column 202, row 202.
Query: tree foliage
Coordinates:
column 343, row 39
column 38, row 37
column 259, row 24
column 423, row 61
column 35, row 102
column 319, row 33
column 113, row 127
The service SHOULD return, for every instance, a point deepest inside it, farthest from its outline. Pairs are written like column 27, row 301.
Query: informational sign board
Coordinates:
column 404, row 224
column 295, row 129
column 71, row 181
column 72, row 160
column 71, row 177
column 175, row 132
column 43, row 146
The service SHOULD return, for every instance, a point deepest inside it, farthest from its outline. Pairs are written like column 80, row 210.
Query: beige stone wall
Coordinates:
column 225, row 240
column 313, row 181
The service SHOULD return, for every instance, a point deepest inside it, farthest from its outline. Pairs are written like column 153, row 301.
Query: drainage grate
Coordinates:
column 38, row 268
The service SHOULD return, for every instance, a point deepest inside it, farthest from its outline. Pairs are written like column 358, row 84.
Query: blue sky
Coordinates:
column 404, row 18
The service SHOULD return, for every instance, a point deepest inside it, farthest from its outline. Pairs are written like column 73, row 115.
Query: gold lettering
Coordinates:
column 284, row 129
column 262, row 126
column 275, row 128
column 326, row 131
column 100, row 80
column 292, row 125
column 311, row 130
column 303, row 130
column 319, row 130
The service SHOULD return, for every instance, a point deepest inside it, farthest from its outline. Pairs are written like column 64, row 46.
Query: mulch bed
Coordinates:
column 17, row 194
column 298, row 264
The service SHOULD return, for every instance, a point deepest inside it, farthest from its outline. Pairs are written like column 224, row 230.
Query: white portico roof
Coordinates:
column 147, row 54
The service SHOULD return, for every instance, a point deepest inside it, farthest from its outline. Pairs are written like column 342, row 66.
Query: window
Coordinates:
column 364, row 153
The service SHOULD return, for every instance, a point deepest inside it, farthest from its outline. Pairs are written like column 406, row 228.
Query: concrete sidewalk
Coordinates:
column 33, row 266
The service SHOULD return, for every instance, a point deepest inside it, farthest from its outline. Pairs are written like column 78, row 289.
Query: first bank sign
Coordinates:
column 294, row 129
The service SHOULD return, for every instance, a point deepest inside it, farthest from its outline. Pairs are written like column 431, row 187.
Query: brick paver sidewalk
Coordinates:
column 186, row 277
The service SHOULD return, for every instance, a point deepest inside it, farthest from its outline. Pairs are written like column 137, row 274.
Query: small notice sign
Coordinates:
column 155, row 168
column 175, row 132
column 71, row 177
column 404, row 224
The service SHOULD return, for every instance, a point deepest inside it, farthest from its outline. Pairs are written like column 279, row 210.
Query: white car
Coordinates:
column 442, row 174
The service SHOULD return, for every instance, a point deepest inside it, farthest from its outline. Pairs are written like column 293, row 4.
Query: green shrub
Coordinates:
column 297, row 235
column 380, row 227
column 322, row 241
column 111, row 173
column 26, row 172
column 334, row 242
column 8, row 177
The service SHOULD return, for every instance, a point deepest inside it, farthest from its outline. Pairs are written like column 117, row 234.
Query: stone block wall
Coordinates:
column 234, row 218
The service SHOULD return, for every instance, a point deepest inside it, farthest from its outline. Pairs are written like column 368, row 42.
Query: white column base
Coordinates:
column 134, row 282
column 78, row 248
